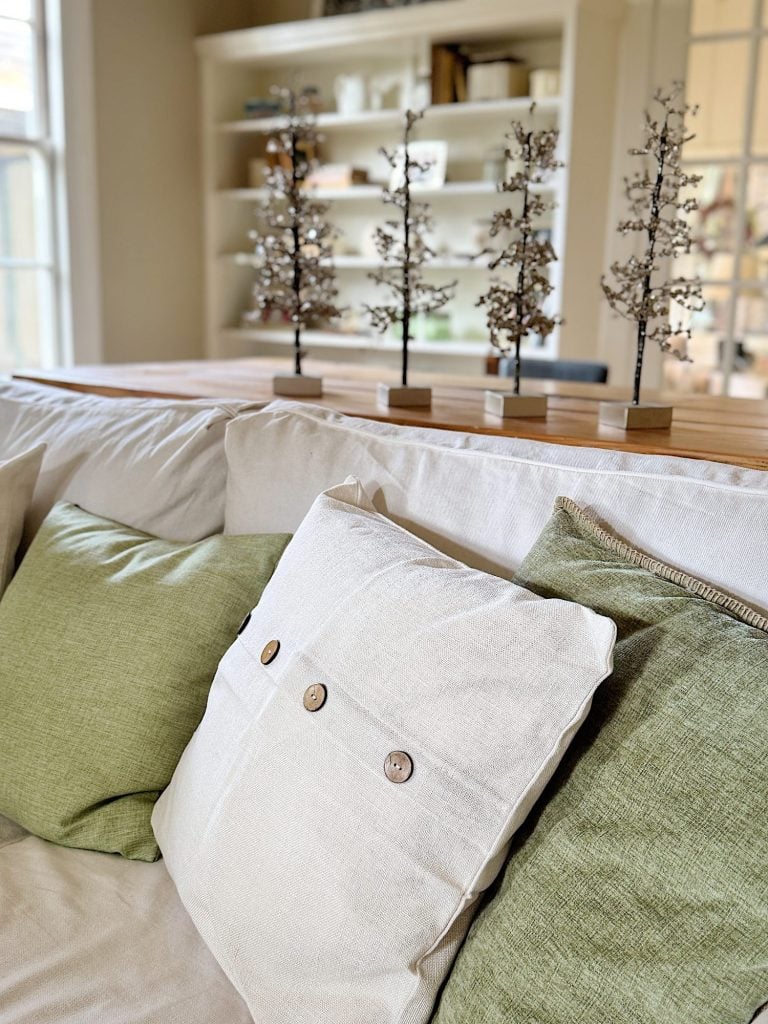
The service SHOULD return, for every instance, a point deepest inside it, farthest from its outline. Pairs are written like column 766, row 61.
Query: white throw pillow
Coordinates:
column 153, row 464
column 345, row 799
column 486, row 499
column 17, row 482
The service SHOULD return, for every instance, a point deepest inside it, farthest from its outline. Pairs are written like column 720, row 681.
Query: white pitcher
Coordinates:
column 350, row 93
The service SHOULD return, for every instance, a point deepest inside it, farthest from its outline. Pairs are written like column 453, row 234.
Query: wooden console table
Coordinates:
column 729, row 430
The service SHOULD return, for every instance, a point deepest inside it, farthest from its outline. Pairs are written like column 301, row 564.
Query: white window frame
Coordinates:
column 755, row 34
column 40, row 144
column 64, row 142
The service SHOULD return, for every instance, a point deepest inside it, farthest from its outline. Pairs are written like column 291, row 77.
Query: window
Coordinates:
column 728, row 78
column 28, row 320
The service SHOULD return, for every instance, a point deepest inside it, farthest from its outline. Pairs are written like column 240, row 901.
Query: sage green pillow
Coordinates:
column 109, row 642
column 637, row 890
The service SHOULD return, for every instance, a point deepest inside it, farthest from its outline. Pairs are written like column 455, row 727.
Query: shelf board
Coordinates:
column 373, row 119
column 450, row 189
column 343, row 262
column 330, row 339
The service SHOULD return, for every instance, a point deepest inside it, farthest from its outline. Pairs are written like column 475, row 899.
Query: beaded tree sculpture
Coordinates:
column 403, row 250
column 294, row 257
column 514, row 309
column 643, row 292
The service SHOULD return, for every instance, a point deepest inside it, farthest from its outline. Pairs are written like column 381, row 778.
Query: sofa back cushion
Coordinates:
column 17, row 481
column 484, row 500
column 153, row 464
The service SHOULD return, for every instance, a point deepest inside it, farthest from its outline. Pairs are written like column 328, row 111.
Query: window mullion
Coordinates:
column 740, row 224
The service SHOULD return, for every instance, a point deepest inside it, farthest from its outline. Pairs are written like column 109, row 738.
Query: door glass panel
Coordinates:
column 713, row 225
column 704, row 348
column 760, row 127
column 17, row 79
column 720, row 15
column 717, row 82
column 23, row 299
column 16, row 9
column 22, row 205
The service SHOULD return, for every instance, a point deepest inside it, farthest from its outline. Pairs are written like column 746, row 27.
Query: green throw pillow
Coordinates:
column 109, row 642
column 637, row 891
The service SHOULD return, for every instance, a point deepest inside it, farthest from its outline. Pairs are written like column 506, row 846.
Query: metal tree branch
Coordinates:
column 401, row 245
column 513, row 311
column 294, row 242
column 642, row 291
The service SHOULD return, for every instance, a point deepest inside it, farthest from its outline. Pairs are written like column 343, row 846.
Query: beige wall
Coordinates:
column 148, row 167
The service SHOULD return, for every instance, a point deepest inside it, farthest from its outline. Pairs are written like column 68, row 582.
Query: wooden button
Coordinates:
column 398, row 767
column 244, row 623
column 314, row 697
column 270, row 652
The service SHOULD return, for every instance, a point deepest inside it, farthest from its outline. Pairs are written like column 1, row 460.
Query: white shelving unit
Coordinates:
column 579, row 36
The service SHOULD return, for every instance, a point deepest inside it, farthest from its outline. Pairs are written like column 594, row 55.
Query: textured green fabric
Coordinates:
column 637, row 891
column 109, row 641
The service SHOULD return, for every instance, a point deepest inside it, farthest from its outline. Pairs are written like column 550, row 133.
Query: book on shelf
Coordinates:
column 448, row 74
column 339, row 176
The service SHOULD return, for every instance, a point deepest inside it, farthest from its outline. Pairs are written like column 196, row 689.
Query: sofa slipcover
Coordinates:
column 484, row 500
column 152, row 464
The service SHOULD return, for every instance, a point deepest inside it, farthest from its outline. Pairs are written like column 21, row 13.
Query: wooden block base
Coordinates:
column 509, row 406
column 627, row 416
column 295, row 385
column 404, row 397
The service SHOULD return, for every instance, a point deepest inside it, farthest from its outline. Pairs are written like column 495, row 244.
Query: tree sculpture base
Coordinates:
column 296, row 385
column 404, row 397
column 645, row 416
column 511, row 406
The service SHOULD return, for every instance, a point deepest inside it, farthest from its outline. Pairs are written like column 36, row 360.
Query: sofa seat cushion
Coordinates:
column 484, row 500
column 90, row 938
column 153, row 464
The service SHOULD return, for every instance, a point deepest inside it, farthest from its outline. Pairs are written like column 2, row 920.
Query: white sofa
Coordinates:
column 89, row 937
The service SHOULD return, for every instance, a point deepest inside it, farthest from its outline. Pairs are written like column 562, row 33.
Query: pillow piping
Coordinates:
column 690, row 583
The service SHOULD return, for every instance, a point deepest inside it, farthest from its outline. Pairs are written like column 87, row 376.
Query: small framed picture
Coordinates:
column 428, row 164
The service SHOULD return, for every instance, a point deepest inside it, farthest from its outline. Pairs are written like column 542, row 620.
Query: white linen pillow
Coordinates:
column 17, row 482
column 485, row 500
column 155, row 465
column 326, row 891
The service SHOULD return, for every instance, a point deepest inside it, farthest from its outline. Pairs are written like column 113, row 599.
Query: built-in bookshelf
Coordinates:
column 542, row 33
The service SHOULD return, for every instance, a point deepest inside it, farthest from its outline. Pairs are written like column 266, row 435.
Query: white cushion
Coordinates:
column 90, row 938
column 153, row 464
column 485, row 499
column 17, row 481
column 327, row 892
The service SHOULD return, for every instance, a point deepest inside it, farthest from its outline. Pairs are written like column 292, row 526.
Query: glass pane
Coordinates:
column 755, row 261
column 23, row 299
column 720, row 15
column 713, row 225
column 22, row 205
column 17, row 78
column 717, row 81
column 16, row 9
column 696, row 377
column 760, row 127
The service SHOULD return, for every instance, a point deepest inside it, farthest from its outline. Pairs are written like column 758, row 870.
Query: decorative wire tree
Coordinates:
column 643, row 291
column 294, row 269
column 403, row 249
column 515, row 310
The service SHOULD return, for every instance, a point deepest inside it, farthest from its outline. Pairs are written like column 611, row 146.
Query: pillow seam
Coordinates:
column 695, row 586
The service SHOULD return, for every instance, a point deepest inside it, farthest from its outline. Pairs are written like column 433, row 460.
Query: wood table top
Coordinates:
column 732, row 430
